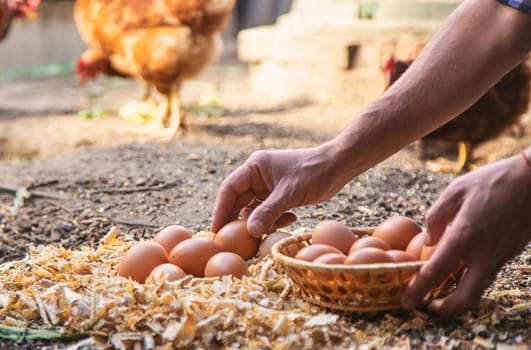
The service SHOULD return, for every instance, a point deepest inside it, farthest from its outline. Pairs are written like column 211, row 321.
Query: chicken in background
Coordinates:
column 161, row 43
column 16, row 9
column 498, row 109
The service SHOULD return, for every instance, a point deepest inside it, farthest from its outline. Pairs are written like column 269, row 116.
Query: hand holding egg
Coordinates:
column 233, row 237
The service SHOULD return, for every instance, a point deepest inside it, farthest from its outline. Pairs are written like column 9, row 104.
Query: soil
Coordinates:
column 87, row 175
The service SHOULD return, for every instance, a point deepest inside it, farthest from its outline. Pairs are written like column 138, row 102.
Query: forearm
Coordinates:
column 475, row 47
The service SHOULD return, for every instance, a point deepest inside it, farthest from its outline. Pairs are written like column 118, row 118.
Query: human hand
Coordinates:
column 270, row 183
column 482, row 220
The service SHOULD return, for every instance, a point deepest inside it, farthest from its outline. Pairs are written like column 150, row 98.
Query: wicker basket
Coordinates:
column 360, row 288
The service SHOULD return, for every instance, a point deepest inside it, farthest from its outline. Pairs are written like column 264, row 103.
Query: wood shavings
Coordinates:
column 523, row 268
column 321, row 320
column 84, row 296
column 484, row 342
column 512, row 347
column 520, row 307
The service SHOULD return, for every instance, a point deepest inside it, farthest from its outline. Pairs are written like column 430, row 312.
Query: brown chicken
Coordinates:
column 498, row 109
column 161, row 43
column 15, row 9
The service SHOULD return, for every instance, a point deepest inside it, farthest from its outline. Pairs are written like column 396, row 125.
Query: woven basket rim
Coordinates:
column 290, row 261
column 359, row 288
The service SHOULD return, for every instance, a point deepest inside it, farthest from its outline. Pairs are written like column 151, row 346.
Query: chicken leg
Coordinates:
column 146, row 96
column 142, row 111
column 462, row 164
column 463, row 156
column 176, row 116
column 168, row 117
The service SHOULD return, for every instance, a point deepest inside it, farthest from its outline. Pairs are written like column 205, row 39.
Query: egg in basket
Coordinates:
column 361, row 270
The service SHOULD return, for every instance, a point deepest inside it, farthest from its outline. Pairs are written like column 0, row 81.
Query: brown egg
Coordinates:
column 414, row 247
column 267, row 243
column 427, row 252
column 141, row 259
column 192, row 255
column 335, row 234
column 233, row 237
column 400, row 256
column 169, row 272
column 311, row 252
column 172, row 235
column 369, row 241
column 397, row 231
column 226, row 263
column 369, row 255
column 331, row 259
column 328, row 259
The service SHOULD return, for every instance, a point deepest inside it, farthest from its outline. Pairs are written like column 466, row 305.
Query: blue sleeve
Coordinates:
column 522, row 5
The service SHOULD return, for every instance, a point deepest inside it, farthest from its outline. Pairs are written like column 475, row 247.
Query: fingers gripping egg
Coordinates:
column 234, row 237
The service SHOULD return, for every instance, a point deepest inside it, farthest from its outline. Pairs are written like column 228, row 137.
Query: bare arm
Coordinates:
column 477, row 44
column 475, row 47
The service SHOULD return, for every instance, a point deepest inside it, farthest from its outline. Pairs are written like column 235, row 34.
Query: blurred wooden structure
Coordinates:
column 321, row 47
column 252, row 13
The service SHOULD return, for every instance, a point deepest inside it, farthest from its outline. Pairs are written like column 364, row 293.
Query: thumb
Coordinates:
column 266, row 214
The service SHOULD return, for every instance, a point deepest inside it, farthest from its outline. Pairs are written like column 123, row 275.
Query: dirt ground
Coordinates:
column 86, row 175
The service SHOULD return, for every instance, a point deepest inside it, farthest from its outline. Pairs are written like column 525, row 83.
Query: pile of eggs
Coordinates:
column 395, row 240
column 174, row 252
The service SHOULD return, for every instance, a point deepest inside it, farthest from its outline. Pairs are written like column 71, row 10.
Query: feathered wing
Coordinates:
column 101, row 22
column 164, row 56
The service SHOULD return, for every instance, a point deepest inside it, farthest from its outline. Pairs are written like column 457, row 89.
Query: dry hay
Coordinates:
column 78, row 293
